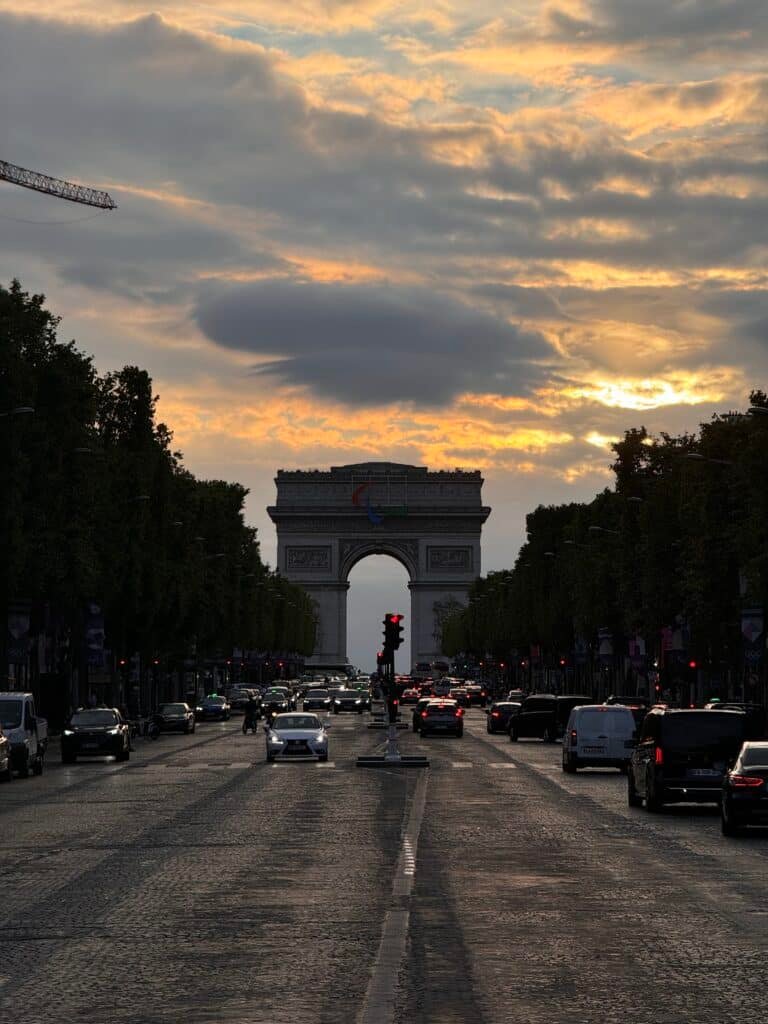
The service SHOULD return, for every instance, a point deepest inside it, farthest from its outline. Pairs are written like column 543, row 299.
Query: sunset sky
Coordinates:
column 489, row 235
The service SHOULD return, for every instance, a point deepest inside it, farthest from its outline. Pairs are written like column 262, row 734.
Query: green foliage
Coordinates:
column 684, row 534
column 99, row 508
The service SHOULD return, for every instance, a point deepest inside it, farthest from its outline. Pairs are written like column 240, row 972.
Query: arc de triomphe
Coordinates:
column 327, row 521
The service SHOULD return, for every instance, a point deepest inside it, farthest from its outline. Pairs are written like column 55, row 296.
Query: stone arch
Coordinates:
column 430, row 522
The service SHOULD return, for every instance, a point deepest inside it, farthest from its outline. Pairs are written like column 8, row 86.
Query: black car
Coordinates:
column 317, row 700
column 96, row 732
column 756, row 722
column 683, row 756
column 175, row 718
column 348, row 700
column 500, row 715
column 744, row 799
column 238, row 699
column 213, row 708
column 460, row 695
column 639, row 706
column 478, row 695
column 275, row 702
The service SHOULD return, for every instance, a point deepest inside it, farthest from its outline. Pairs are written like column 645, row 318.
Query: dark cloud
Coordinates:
column 371, row 345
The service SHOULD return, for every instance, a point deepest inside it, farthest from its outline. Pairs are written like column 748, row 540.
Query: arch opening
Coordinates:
column 378, row 584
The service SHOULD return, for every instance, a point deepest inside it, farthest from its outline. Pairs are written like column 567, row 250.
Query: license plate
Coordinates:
column 704, row 773
column 594, row 750
column 90, row 746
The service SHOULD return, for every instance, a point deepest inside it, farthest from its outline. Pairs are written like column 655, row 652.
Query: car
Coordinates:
column 500, row 715
column 275, row 702
column 213, row 708
column 25, row 730
column 537, row 717
column 517, row 695
column 744, row 797
column 95, row 732
column 478, row 695
column 442, row 687
column 365, row 696
column 316, row 699
column 6, row 770
column 297, row 734
column 288, row 692
column 348, row 700
column 460, row 695
column 682, row 756
column 175, row 718
column 442, row 716
column 599, row 736
column 410, row 696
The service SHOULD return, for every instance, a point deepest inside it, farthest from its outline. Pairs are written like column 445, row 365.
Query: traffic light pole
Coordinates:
column 390, row 691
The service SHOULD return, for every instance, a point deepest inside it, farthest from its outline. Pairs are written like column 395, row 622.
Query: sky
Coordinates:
column 478, row 234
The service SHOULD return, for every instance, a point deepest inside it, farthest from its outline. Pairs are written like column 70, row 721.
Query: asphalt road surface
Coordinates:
column 199, row 884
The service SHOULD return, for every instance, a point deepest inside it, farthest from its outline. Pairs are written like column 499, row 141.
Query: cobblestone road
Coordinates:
column 198, row 883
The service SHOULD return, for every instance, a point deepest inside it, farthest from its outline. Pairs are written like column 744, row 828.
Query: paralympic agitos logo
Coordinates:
column 376, row 516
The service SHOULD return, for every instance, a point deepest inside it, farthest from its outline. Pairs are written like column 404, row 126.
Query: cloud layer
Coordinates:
column 500, row 233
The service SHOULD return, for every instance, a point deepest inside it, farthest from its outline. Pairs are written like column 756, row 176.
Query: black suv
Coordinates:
column 95, row 732
column 544, row 716
column 683, row 756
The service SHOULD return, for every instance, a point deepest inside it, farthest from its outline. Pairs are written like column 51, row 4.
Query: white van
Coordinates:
column 599, row 736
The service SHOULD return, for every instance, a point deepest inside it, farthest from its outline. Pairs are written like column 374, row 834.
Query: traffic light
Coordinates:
column 379, row 658
column 393, row 631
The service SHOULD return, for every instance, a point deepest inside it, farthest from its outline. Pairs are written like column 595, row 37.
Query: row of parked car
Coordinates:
column 715, row 754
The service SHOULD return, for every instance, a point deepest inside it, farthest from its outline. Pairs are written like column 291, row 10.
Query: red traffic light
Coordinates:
column 693, row 663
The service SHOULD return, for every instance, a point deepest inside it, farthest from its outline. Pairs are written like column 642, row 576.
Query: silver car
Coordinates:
column 297, row 735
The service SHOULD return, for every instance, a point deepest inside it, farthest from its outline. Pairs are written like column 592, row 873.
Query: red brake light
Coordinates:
column 423, row 714
column 459, row 712
column 495, row 714
column 483, row 693
column 746, row 781
column 659, row 756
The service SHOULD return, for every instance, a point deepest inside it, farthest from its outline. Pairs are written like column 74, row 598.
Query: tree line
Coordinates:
column 662, row 570
column 99, row 512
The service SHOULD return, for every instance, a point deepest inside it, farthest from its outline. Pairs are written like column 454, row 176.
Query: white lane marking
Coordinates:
column 325, row 764
column 501, row 764
column 462, row 764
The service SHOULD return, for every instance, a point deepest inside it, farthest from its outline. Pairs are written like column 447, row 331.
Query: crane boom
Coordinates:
column 55, row 186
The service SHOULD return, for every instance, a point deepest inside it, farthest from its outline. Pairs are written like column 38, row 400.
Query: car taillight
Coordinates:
column 658, row 756
column 483, row 693
column 495, row 714
column 574, row 737
column 423, row 714
column 745, row 781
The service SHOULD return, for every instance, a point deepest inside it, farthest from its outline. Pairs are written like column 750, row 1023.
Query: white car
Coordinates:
column 297, row 735
column 599, row 736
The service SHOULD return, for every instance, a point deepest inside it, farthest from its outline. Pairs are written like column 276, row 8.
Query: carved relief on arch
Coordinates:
column 406, row 551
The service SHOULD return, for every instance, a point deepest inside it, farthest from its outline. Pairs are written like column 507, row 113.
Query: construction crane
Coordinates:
column 55, row 186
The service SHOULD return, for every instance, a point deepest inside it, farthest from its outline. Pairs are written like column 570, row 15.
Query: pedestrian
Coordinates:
column 251, row 715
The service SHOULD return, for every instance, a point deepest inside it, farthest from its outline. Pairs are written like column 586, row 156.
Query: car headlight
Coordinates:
column 273, row 738
column 199, row 710
column 321, row 738
column 113, row 732
column 69, row 732
column 358, row 702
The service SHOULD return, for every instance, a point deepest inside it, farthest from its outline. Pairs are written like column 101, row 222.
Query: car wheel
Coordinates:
column 194, row 726
column 569, row 764
column 7, row 774
column 322, row 757
column 68, row 758
column 187, row 729
column 124, row 755
column 24, row 769
column 270, row 758
column 460, row 732
column 654, row 798
column 728, row 826
column 632, row 796
column 513, row 735
column 37, row 767
column 488, row 728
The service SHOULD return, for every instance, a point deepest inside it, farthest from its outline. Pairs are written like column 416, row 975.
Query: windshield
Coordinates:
column 94, row 718
column 296, row 722
column 213, row 700
column 172, row 709
column 10, row 713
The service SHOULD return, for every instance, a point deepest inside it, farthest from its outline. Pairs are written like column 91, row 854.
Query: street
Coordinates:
column 197, row 883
